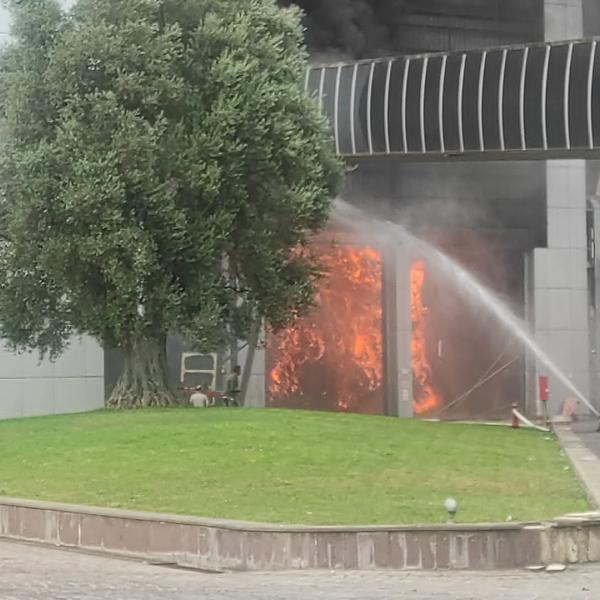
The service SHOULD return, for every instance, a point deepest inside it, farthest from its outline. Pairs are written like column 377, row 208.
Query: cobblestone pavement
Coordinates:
column 34, row 573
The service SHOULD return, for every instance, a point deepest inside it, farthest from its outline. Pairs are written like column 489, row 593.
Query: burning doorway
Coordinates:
column 465, row 364
column 332, row 359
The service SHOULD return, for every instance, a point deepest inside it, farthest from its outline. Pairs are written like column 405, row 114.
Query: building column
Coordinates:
column 563, row 20
column 560, row 281
column 560, row 270
column 256, row 392
column 397, row 328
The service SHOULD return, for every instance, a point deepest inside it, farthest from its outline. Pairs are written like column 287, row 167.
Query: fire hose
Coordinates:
column 520, row 418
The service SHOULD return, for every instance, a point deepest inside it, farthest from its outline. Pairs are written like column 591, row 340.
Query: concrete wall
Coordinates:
column 591, row 17
column 74, row 383
column 215, row 545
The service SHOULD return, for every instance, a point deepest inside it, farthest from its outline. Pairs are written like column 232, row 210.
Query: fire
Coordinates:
column 425, row 398
column 333, row 358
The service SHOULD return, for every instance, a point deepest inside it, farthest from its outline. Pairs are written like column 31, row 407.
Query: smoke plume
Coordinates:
column 368, row 28
column 354, row 28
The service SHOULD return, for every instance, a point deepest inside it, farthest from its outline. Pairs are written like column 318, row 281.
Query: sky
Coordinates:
column 5, row 21
column 4, row 24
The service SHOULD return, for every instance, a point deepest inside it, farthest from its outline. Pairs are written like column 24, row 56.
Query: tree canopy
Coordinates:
column 160, row 164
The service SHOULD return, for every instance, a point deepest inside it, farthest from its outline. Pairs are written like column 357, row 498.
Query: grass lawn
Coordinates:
column 286, row 466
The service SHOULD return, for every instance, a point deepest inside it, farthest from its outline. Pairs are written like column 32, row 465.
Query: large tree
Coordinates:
column 160, row 166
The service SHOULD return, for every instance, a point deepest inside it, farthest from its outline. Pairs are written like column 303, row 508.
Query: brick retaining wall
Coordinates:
column 218, row 544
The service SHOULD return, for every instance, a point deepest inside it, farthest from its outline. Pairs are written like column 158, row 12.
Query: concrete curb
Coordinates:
column 212, row 544
column 585, row 463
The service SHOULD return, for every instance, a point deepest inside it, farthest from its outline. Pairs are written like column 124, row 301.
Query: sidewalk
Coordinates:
column 581, row 443
column 586, row 430
column 33, row 573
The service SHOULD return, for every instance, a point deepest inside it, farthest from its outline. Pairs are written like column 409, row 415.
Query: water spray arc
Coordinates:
column 457, row 276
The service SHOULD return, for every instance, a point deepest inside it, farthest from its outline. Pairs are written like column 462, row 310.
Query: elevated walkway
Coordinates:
column 538, row 101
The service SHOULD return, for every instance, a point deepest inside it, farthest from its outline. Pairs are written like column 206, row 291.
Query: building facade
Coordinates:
column 407, row 343
column 525, row 228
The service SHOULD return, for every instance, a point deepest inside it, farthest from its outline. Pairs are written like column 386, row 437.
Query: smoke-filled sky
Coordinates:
column 353, row 27
column 365, row 28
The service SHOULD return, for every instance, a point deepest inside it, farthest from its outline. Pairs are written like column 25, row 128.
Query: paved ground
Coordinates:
column 34, row 573
column 587, row 431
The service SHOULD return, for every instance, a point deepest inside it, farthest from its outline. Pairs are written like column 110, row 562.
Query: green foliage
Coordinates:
column 159, row 164
column 287, row 466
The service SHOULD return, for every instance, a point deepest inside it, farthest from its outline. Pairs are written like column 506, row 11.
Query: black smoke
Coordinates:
column 356, row 28
column 367, row 28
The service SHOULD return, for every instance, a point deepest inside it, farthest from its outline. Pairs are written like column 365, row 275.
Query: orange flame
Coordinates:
column 425, row 398
column 333, row 358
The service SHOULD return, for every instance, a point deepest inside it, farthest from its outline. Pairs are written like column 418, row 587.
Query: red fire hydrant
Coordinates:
column 544, row 392
column 544, row 388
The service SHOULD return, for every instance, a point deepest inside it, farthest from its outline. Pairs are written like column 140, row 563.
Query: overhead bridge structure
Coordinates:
column 537, row 101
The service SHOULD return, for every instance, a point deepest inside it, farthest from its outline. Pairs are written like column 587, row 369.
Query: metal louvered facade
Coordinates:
column 532, row 101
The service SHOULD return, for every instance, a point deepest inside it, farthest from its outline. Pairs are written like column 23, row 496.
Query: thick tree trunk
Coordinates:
column 143, row 382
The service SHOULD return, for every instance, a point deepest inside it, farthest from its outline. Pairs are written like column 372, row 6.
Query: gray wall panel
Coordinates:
column 74, row 383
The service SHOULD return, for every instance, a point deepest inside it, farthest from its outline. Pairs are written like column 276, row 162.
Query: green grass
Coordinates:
column 286, row 466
